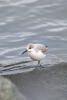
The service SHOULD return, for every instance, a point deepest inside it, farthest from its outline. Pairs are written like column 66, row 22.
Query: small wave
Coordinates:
column 17, row 40
column 25, row 34
column 53, row 59
column 48, row 6
column 56, row 38
column 38, row 26
column 61, row 24
column 57, row 29
column 20, row 2
column 23, row 2
column 56, row 23
column 2, row 23
column 8, row 20
column 10, row 50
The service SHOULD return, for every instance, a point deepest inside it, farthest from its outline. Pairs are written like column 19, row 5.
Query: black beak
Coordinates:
column 24, row 51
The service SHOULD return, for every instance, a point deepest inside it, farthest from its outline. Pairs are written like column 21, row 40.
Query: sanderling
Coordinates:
column 36, row 51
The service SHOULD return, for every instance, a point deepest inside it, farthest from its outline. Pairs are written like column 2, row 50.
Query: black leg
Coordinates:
column 39, row 62
column 39, row 65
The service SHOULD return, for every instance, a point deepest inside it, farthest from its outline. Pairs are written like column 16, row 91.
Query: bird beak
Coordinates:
column 24, row 51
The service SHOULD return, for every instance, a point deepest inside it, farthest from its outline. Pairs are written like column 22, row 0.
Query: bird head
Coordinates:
column 28, row 48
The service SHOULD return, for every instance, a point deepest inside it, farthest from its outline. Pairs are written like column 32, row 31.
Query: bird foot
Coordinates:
column 40, row 67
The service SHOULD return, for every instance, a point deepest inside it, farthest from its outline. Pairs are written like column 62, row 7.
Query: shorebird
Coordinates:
column 36, row 51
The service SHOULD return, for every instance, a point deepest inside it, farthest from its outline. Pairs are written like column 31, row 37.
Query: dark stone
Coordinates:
column 8, row 91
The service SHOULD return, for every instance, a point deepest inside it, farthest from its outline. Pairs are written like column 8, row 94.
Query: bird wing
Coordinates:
column 42, row 48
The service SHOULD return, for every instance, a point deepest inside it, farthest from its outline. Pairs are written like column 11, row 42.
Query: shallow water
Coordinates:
column 23, row 22
column 36, row 21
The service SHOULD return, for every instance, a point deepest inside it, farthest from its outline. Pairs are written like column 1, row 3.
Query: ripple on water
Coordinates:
column 47, row 6
column 22, row 23
column 55, row 38
column 16, row 3
column 59, row 29
column 50, row 25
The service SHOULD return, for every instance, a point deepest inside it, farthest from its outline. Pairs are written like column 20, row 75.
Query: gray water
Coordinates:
column 35, row 21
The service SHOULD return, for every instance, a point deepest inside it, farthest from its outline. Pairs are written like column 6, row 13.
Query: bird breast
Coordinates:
column 36, row 55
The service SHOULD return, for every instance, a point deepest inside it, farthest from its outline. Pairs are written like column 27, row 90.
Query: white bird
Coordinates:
column 36, row 51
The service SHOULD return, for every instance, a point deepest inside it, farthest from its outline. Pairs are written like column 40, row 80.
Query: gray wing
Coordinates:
column 42, row 48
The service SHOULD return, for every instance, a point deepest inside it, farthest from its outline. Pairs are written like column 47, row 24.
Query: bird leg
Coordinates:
column 39, row 65
column 39, row 62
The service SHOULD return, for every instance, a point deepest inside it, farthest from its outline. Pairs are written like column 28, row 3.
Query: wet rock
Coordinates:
column 8, row 91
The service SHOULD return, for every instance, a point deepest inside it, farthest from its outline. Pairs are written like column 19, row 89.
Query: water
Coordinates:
column 36, row 21
column 23, row 22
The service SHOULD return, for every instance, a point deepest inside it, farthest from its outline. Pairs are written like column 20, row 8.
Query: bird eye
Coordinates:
column 30, row 47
